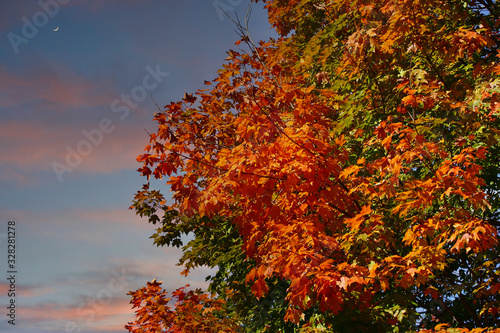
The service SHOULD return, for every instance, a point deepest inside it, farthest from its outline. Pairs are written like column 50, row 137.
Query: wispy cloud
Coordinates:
column 54, row 88
column 63, row 122
column 78, row 316
column 27, row 291
column 29, row 147
column 101, row 301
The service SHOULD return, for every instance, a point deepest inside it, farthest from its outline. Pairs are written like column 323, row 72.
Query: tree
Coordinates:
column 344, row 176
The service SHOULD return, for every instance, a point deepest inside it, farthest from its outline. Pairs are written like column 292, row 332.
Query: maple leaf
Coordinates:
column 189, row 98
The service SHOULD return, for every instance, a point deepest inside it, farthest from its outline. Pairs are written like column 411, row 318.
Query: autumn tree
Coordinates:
column 344, row 176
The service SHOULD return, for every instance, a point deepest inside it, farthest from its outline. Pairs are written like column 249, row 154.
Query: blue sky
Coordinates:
column 69, row 137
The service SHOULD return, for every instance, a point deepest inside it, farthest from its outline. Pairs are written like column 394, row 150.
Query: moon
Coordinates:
column 56, row 29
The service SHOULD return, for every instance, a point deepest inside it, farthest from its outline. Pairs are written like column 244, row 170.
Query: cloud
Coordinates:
column 4, row 287
column 31, row 147
column 89, row 290
column 54, row 87
column 26, row 291
column 42, row 227
column 101, row 303
column 60, row 122
column 91, row 314
column 89, row 227
column 120, row 236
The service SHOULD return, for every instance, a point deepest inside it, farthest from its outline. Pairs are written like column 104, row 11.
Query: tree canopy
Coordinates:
column 342, row 177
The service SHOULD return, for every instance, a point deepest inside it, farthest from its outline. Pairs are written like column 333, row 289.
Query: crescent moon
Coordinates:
column 56, row 29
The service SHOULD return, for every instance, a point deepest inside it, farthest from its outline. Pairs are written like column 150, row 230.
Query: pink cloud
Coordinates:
column 3, row 288
column 100, row 313
column 59, row 88
column 102, row 308
column 31, row 147
column 37, row 141
column 35, row 291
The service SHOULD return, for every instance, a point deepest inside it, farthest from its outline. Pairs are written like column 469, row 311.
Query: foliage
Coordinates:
column 194, row 311
column 344, row 176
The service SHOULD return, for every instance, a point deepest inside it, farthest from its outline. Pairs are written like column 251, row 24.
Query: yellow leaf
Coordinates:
column 384, row 284
column 353, row 169
column 441, row 327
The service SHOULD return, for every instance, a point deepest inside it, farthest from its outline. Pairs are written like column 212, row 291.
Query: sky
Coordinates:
column 76, row 80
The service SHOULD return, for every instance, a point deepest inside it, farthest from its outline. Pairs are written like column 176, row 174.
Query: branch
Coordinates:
column 221, row 169
column 244, row 33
